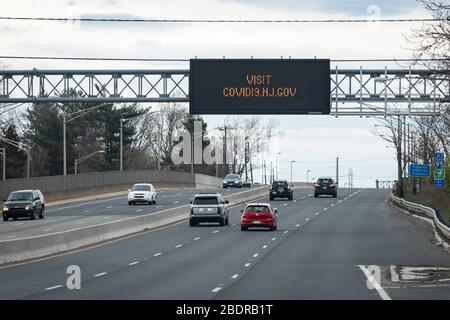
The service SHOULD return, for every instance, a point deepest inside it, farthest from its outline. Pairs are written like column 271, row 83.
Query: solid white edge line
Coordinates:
column 100, row 274
column 133, row 263
column 234, row 276
column 247, row 264
column 157, row 254
column 54, row 287
column 381, row 292
column 178, row 246
column 217, row 289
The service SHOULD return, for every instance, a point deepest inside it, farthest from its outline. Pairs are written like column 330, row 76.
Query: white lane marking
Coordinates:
column 265, row 246
column 317, row 213
column 273, row 239
column 54, row 287
column 106, row 218
column 138, row 210
column 382, row 293
column 247, row 264
column 157, row 254
column 325, row 209
column 86, row 211
column 285, row 204
column 164, row 196
column 81, row 222
column 339, row 201
column 216, row 289
column 49, row 229
column 234, row 225
column 159, row 206
column 175, row 202
column 286, row 232
column 295, row 200
column 310, row 194
column 297, row 225
column 332, row 205
column 133, row 263
column 18, row 224
column 215, row 231
column 307, row 219
column 198, row 238
column 109, row 207
column 10, row 237
column 234, row 276
column 100, row 274
column 255, row 255
column 178, row 246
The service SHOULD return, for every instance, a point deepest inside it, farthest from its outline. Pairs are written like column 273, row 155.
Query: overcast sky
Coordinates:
column 312, row 141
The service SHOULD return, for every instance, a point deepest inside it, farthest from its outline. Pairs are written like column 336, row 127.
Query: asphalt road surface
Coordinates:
column 85, row 213
column 323, row 249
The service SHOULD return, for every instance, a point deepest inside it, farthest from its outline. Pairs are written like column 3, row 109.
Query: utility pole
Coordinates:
column 64, row 145
column 3, row 152
column 265, row 173
column 337, row 170
column 121, row 144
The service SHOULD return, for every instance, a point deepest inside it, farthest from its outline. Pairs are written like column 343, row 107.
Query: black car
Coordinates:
column 325, row 186
column 23, row 204
column 232, row 180
column 280, row 189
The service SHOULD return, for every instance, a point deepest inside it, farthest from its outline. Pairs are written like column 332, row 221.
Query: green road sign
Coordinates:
column 439, row 175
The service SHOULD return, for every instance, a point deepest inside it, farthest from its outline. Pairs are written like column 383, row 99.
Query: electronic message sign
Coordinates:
column 259, row 86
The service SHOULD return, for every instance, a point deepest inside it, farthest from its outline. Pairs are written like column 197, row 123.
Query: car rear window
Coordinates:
column 20, row 196
column 257, row 209
column 325, row 181
column 140, row 188
column 206, row 200
column 280, row 184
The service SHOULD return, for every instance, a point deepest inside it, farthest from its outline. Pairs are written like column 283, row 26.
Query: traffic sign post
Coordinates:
column 439, row 174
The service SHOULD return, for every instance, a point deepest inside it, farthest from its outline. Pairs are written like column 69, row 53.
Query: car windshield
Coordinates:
column 232, row 177
column 205, row 200
column 20, row 196
column 257, row 209
column 140, row 187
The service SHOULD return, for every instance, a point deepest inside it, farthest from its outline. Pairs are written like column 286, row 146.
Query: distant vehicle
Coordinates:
column 208, row 207
column 142, row 193
column 232, row 180
column 280, row 189
column 259, row 215
column 325, row 185
column 23, row 204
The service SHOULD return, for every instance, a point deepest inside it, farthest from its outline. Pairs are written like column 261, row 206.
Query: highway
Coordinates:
column 320, row 251
column 82, row 213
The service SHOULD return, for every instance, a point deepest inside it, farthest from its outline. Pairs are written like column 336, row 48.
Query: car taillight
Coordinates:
column 316, row 185
column 332, row 185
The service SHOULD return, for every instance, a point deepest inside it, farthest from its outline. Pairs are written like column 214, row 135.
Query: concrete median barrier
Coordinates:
column 15, row 250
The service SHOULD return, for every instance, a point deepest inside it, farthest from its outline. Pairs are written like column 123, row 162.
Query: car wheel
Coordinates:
column 290, row 198
column 271, row 198
column 227, row 222
column 192, row 223
column 275, row 228
column 5, row 218
column 222, row 222
column 271, row 228
column 41, row 215
column 244, row 228
column 316, row 195
column 335, row 195
column 129, row 203
column 33, row 215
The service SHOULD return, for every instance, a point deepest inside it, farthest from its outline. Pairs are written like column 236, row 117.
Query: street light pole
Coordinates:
column 20, row 146
column 84, row 158
column 64, row 145
column 3, row 152
column 307, row 175
column 121, row 144
column 292, row 162
column 278, row 163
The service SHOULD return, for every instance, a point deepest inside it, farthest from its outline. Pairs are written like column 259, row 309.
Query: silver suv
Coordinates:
column 208, row 207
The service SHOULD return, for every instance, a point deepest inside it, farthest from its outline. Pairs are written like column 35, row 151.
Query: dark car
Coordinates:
column 23, row 204
column 325, row 186
column 280, row 189
column 232, row 180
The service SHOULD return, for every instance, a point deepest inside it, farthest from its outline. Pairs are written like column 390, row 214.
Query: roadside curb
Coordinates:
column 421, row 210
column 15, row 250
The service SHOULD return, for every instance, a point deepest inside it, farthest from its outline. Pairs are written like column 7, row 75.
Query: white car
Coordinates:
column 142, row 193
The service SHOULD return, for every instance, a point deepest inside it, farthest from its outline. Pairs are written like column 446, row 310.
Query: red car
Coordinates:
column 259, row 215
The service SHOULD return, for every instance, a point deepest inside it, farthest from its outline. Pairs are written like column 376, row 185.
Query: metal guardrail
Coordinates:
column 422, row 210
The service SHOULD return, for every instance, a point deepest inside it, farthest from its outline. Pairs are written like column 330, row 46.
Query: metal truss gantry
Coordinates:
column 355, row 92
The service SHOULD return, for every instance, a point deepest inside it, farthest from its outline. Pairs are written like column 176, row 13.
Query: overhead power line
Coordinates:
column 186, row 59
column 56, row 19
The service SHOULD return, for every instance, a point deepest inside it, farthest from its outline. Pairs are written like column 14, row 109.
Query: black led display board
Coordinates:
column 259, row 86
